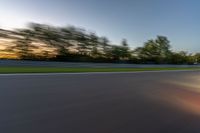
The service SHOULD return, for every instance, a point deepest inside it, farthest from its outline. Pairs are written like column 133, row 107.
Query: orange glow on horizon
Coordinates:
column 7, row 55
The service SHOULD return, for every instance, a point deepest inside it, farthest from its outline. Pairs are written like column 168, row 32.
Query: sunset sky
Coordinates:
column 136, row 20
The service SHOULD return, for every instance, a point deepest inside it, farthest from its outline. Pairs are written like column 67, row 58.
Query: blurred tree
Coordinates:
column 155, row 51
column 76, row 44
column 51, row 36
column 23, row 44
column 178, row 58
column 84, row 46
column 164, row 48
column 125, row 50
column 197, row 58
column 191, row 59
column 106, row 48
column 124, row 43
column 120, row 52
column 94, row 40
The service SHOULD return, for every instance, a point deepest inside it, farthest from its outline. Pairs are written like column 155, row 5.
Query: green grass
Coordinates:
column 7, row 70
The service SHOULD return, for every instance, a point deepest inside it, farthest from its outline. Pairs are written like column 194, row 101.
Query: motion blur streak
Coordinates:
column 184, row 95
column 99, row 103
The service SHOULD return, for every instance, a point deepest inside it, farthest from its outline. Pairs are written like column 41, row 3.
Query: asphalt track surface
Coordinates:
column 146, row 102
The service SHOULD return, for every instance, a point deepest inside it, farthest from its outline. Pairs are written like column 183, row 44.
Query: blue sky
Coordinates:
column 136, row 20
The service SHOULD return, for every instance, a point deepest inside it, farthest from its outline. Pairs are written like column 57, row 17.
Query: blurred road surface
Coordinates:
column 147, row 102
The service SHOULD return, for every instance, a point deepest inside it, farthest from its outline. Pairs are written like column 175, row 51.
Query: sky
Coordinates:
column 135, row 20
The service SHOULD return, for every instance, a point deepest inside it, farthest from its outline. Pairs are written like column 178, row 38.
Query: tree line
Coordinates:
column 46, row 42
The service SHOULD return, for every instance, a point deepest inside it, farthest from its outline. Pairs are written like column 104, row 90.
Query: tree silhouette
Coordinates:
column 76, row 44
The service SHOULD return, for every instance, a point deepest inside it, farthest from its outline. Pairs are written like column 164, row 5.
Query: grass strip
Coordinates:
column 10, row 70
